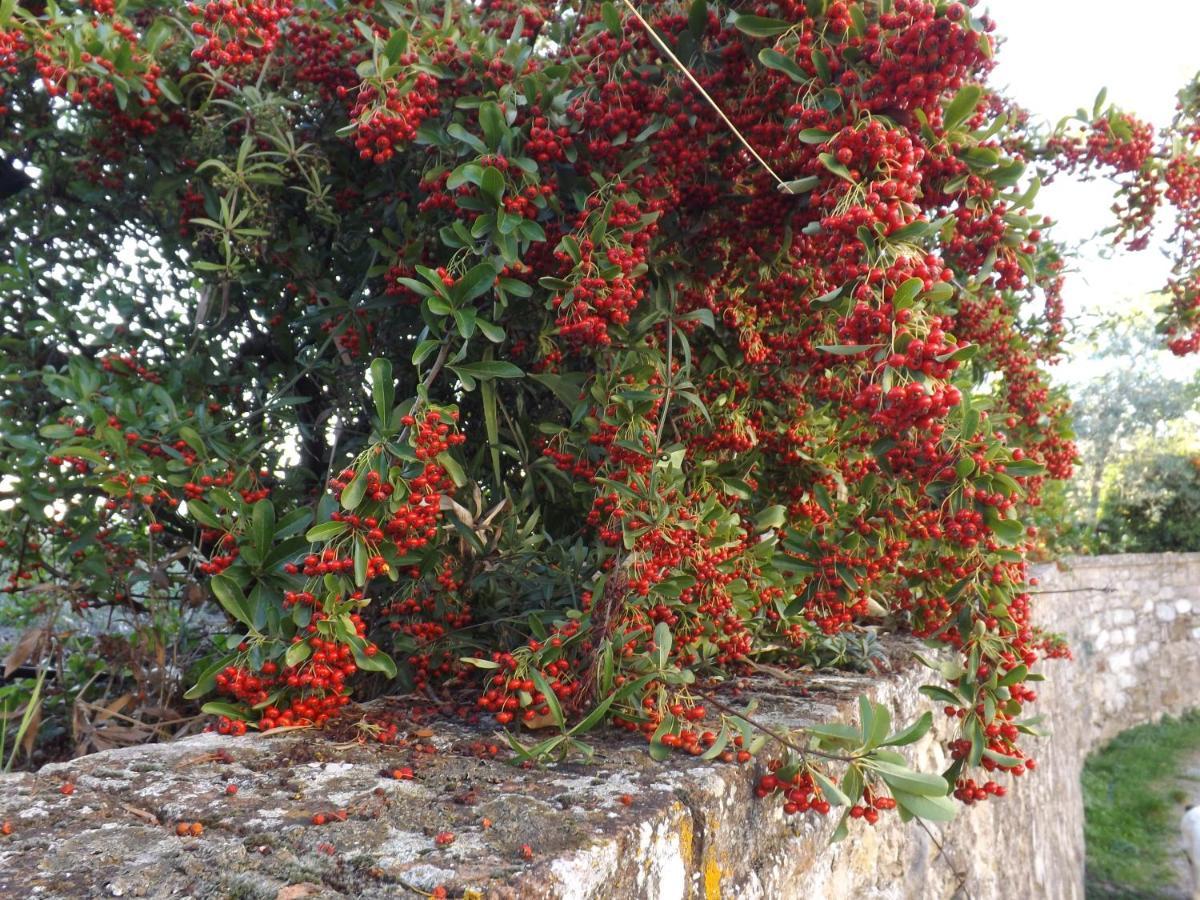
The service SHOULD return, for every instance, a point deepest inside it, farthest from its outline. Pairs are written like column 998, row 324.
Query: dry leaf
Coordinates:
column 31, row 733
column 141, row 814
column 296, row 891
column 24, row 649
column 539, row 721
column 193, row 595
column 116, row 706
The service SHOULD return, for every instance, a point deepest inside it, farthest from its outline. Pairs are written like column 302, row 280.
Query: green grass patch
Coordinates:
column 1132, row 795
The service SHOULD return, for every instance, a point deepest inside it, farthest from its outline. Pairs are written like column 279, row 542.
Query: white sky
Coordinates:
column 1056, row 56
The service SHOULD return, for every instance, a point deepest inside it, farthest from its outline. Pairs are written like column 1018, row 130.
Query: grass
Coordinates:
column 1133, row 791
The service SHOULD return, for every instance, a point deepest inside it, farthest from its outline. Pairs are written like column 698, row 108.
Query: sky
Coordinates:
column 1056, row 56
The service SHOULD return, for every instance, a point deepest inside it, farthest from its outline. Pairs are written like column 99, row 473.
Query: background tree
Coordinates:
column 1153, row 503
column 1129, row 405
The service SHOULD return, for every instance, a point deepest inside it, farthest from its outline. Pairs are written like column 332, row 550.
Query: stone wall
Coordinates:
column 622, row 826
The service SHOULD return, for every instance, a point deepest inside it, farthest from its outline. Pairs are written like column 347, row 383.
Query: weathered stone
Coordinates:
column 694, row 829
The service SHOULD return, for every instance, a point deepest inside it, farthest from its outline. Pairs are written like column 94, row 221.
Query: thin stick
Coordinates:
column 662, row 45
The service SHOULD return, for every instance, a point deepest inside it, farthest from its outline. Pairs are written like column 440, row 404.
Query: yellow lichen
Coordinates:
column 712, row 876
column 686, row 836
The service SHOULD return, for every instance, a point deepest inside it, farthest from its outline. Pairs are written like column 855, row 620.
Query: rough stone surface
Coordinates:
column 692, row 829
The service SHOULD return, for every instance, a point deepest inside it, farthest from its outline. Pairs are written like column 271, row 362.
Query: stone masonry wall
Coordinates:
column 690, row 829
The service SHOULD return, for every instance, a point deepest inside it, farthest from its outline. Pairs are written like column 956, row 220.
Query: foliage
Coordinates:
column 1147, row 168
column 1154, row 507
column 1132, row 808
column 1134, row 410
column 648, row 408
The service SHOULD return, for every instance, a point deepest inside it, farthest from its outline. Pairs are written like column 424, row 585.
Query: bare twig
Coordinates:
column 662, row 45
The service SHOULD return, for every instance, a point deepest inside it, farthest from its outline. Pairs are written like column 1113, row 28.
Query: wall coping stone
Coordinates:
column 693, row 828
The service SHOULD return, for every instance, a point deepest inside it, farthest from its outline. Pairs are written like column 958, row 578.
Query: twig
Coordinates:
column 670, row 379
column 1098, row 590
column 959, row 873
column 436, row 369
column 662, row 45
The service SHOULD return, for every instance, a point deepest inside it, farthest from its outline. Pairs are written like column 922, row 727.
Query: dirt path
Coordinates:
column 1187, row 791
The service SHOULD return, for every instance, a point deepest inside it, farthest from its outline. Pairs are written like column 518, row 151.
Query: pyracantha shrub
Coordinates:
column 1147, row 167
column 648, row 408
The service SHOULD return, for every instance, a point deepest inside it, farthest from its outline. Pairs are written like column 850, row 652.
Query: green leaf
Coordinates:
column 718, row 746
column 208, row 678
column 821, row 63
column 461, row 134
column 814, row 136
column 467, row 173
column 662, row 643
column 540, row 682
column 906, row 293
column 297, row 653
column 488, row 369
column 843, row 829
column 293, row 523
column 1010, row 531
column 698, row 17
column 490, row 330
column 612, row 18
column 939, row 292
column 202, row 513
column 422, row 351
column 1003, row 759
column 479, row 663
column 800, row 185
column 829, row 161
column 853, row 783
column 170, row 90
column 1023, row 468
column 361, row 560
column 218, row 708
column 383, row 388
column 845, row 349
column 397, row 44
column 492, row 184
column 491, row 424
column 758, row 26
column 866, row 718
column 319, row 534
column 932, row 809
column 881, row 724
column 773, row 59
column 565, row 390
column 475, row 283
column 828, row 298
column 263, row 526
column 353, row 493
column 962, row 106
column 831, row 791
column 378, row 662
column 771, row 517
column 900, row 778
column 56, row 431
column 835, row 731
column 593, row 718
column 230, row 596
column 912, row 733
column 1014, row 676
column 935, row 692
column 491, row 120
column 453, row 468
